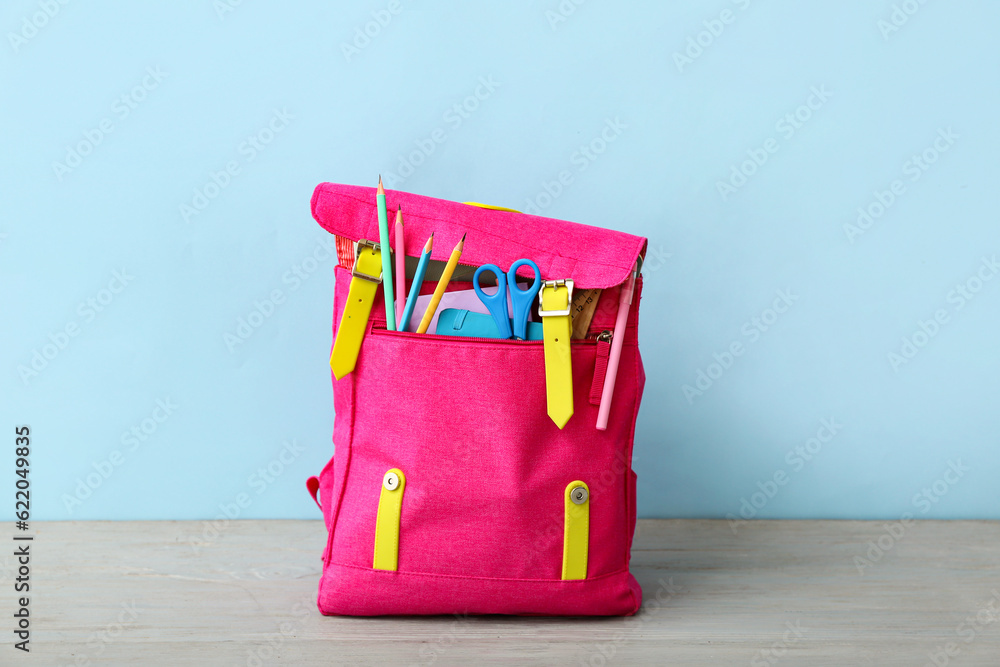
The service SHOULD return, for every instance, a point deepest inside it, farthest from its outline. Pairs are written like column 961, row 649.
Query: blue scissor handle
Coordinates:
column 521, row 300
column 495, row 303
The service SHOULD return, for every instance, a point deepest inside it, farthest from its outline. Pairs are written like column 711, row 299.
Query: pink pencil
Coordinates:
column 400, row 266
column 624, row 303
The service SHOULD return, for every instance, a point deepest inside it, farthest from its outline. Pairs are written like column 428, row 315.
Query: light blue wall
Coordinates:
column 717, row 259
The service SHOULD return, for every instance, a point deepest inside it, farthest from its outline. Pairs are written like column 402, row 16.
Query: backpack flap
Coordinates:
column 594, row 258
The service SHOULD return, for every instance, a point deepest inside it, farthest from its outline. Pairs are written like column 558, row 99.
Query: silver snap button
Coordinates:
column 578, row 495
column 391, row 481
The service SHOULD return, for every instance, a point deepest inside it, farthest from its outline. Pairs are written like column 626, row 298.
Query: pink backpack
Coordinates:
column 444, row 443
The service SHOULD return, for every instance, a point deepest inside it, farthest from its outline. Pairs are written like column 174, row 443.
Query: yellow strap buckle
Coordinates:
column 358, row 247
column 555, row 284
column 365, row 278
column 555, row 298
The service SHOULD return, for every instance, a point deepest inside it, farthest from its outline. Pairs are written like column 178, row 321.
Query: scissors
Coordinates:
column 520, row 299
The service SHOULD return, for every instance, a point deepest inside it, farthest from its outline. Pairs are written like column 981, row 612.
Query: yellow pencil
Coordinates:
column 442, row 284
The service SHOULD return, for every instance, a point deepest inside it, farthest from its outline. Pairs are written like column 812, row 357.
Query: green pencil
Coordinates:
column 383, row 241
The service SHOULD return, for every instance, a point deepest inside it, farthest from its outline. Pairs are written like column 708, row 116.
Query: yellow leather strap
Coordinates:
column 390, row 505
column 367, row 274
column 491, row 206
column 555, row 298
column 576, row 531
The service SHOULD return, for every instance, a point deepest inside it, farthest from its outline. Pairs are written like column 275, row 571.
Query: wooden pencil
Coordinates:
column 385, row 245
column 442, row 284
column 400, row 267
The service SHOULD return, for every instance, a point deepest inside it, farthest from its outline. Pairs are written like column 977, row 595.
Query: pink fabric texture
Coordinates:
column 592, row 256
column 481, row 525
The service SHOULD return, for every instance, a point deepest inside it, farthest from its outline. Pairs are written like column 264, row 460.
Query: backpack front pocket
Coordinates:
column 486, row 469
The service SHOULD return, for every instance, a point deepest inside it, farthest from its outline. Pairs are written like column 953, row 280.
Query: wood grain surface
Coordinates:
column 762, row 593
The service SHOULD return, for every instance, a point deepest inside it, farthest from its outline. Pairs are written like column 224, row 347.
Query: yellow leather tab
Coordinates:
column 556, row 333
column 354, row 319
column 491, row 206
column 576, row 531
column 390, row 505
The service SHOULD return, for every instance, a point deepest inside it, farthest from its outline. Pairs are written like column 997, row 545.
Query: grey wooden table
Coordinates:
column 762, row 593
